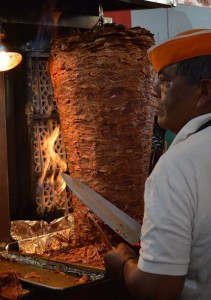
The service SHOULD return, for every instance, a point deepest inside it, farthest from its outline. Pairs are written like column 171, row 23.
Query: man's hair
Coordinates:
column 195, row 69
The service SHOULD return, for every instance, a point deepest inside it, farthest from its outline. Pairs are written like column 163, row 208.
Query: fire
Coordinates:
column 53, row 168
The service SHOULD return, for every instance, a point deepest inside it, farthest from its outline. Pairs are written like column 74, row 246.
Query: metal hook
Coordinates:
column 101, row 20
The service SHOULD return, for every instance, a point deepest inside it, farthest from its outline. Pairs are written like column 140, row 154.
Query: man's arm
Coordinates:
column 122, row 264
column 148, row 286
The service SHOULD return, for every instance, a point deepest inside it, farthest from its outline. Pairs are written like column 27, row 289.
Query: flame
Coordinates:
column 54, row 165
column 48, row 26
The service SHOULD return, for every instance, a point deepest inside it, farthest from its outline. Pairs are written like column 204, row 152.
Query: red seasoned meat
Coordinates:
column 102, row 81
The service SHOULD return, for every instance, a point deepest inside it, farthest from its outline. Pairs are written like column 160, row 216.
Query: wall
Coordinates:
column 166, row 22
column 202, row 3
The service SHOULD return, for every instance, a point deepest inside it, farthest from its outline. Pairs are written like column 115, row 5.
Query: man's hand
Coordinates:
column 116, row 258
column 122, row 264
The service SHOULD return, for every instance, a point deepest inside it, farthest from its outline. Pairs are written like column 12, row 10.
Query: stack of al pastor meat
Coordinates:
column 102, row 82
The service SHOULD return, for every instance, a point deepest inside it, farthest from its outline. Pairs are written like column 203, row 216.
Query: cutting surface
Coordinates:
column 41, row 277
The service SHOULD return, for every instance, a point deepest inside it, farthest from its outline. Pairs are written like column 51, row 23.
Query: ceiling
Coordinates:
column 74, row 5
column 26, row 10
column 26, row 20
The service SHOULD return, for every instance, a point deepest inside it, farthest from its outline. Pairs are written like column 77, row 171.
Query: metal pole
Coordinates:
column 4, row 181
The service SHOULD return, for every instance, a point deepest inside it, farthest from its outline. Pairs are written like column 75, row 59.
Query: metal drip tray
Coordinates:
column 50, row 274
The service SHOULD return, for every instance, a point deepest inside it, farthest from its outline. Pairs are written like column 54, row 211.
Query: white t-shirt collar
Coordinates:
column 190, row 128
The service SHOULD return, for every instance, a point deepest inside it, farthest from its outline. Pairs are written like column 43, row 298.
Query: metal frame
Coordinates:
column 4, row 177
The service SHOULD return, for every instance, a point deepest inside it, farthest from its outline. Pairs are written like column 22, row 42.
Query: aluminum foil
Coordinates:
column 39, row 237
column 45, row 243
column 24, row 229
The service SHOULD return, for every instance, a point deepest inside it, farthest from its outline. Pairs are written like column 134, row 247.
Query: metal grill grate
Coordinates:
column 44, row 119
column 42, row 93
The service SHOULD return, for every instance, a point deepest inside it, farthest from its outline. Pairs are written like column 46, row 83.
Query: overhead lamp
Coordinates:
column 9, row 59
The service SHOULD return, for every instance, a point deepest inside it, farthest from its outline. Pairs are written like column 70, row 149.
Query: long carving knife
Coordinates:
column 127, row 227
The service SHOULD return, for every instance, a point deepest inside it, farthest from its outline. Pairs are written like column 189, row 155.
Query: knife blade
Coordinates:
column 124, row 225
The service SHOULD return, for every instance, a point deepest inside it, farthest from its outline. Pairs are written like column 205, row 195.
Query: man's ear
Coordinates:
column 205, row 92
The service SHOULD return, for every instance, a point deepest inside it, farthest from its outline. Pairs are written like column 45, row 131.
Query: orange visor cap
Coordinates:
column 187, row 44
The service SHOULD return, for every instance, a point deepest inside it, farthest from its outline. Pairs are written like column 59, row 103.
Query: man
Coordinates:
column 174, row 261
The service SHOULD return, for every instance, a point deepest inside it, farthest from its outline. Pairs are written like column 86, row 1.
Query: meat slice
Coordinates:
column 10, row 286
